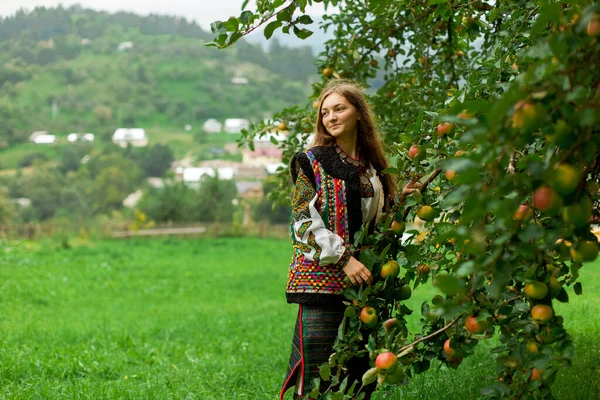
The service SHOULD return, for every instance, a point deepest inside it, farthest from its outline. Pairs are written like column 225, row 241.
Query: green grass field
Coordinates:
column 195, row 319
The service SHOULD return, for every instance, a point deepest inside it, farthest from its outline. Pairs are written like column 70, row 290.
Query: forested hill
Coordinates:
column 71, row 70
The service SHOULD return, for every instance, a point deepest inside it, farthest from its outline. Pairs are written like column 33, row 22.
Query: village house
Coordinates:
column 44, row 139
column 124, row 46
column 250, row 190
column 211, row 125
column 261, row 156
column 192, row 177
column 130, row 136
column 239, row 80
column 235, row 125
column 80, row 137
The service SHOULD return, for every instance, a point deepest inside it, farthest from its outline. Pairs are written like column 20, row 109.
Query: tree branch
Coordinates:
column 424, row 338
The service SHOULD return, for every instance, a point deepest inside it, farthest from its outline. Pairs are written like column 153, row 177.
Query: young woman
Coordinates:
column 338, row 186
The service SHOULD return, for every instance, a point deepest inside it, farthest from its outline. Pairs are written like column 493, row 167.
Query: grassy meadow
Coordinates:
column 196, row 319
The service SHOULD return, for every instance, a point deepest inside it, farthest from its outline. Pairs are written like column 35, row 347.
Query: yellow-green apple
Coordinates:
column 532, row 346
column 282, row 126
column 547, row 200
column 386, row 360
column 394, row 375
column 444, row 128
column 566, row 178
column 460, row 153
column 585, row 251
column 397, row 227
column 579, row 213
column 327, row 72
column 542, row 314
column 390, row 268
column 413, row 151
column 554, row 286
column 474, row 326
column 523, row 214
column 536, row 290
column 368, row 316
column 545, row 335
column 426, row 213
column 525, row 115
column 402, row 293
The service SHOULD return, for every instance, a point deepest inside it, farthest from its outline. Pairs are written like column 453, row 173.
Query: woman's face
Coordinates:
column 339, row 116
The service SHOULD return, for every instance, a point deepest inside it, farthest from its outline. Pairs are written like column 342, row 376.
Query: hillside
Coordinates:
column 68, row 70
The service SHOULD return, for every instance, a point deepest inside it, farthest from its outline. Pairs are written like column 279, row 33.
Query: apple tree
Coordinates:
column 493, row 109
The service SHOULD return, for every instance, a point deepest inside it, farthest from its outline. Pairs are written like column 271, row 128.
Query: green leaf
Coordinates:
column 231, row 24
column 447, row 284
column 578, row 289
column 270, row 28
column 368, row 258
column 305, row 19
column 325, row 371
column 302, row 33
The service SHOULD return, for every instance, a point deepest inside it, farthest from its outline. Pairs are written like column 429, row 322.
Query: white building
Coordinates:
column 124, row 46
column 81, row 137
column 45, row 139
column 36, row 134
column 235, row 125
column 239, row 80
column 133, row 136
column 192, row 177
column 212, row 126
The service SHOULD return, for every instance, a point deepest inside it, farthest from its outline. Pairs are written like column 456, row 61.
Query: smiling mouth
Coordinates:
column 334, row 126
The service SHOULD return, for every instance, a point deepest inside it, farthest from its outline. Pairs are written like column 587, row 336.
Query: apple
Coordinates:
column 394, row 375
column 532, row 346
column 566, row 178
column 554, row 287
column 451, row 175
column 585, row 251
column 542, row 314
column 525, row 115
column 546, row 199
column 426, row 213
column 327, row 72
column 390, row 94
column 593, row 27
column 390, row 268
column 391, row 324
column 579, row 213
column 444, row 128
column 459, row 53
column 368, row 316
column 316, row 104
column 403, row 293
column 523, row 214
column 391, row 53
column 450, row 352
column 536, row 374
column 282, row 126
column 373, row 63
column 536, row 290
column 386, row 360
column 474, row 326
column 460, row 153
column 413, row 151
column 397, row 227
column 423, row 269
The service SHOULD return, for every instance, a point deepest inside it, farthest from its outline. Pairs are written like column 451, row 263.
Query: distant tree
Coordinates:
column 30, row 158
column 156, row 160
column 174, row 202
column 43, row 187
column 269, row 210
column 102, row 113
column 215, row 200
column 70, row 157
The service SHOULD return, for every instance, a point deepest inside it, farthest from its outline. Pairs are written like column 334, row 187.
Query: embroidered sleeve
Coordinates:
column 312, row 238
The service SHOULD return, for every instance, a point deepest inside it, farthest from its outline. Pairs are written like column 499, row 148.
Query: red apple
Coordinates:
column 593, row 27
column 397, row 227
column 545, row 199
column 443, row 129
column 386, row 360
column 391, row 324
column 474, row 326
column 450, row 175
column 523, row 214
column 413, row 151
column 368, row 316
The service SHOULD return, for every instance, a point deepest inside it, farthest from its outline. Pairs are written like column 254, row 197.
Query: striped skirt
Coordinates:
column 314, row 335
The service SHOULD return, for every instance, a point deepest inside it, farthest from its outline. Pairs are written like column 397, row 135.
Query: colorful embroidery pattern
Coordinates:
column 303, row 228
column 308, row 276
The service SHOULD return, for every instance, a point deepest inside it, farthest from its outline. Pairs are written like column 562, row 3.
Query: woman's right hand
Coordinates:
column 357, row 272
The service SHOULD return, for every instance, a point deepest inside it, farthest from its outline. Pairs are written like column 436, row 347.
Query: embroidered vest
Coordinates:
column 337, row 185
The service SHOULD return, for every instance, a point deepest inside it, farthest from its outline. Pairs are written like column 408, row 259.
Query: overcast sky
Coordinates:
column 202, row 11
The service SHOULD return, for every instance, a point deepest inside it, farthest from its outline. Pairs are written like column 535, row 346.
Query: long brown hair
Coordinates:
column 367, row 140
